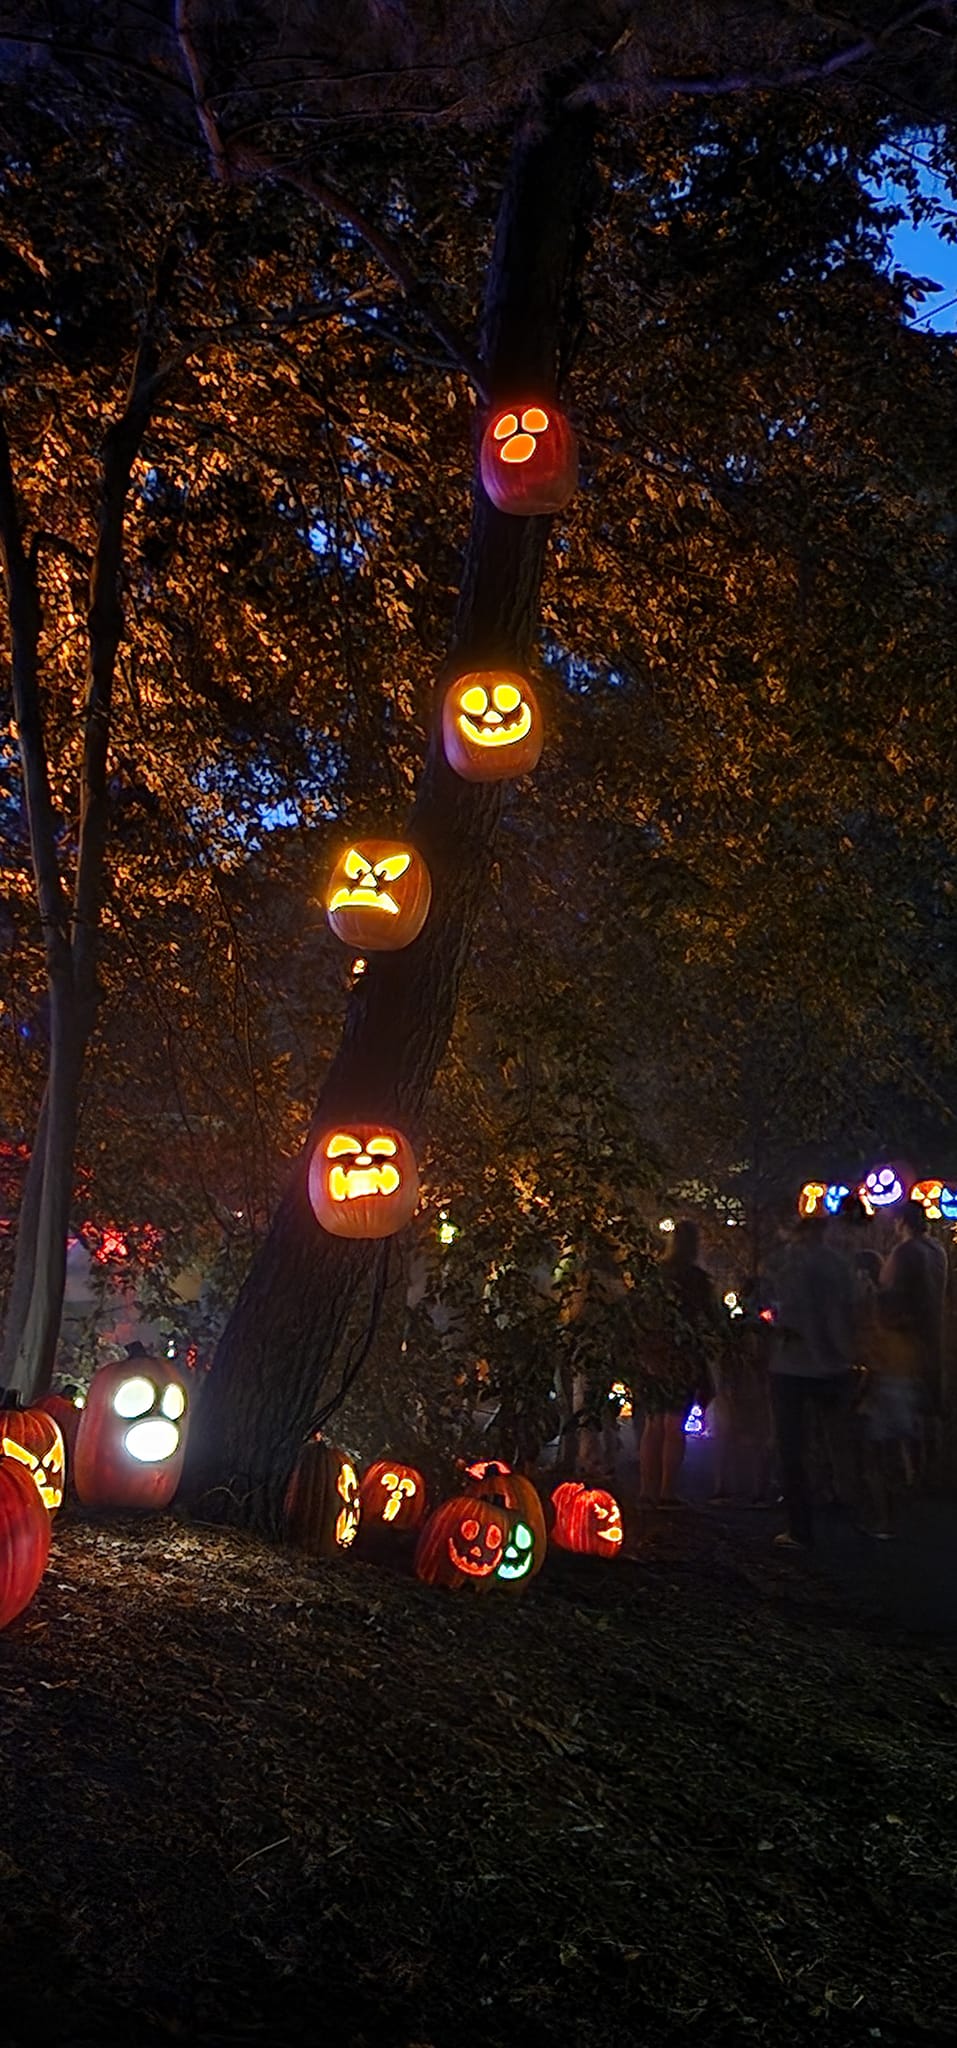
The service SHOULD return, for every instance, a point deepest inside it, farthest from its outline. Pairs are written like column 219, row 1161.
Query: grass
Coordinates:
column 684, row 1798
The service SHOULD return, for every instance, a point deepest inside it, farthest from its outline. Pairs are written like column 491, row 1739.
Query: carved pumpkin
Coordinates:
column 529, row 459
column 882, row 1188
column 521, row 1556
column 132, row 1436
column 322, row 1510
column 811, row 1198
column 34, row 1440
column 393, row 1496
column 490, row 1480
column 834, row 1195
column 461, row 1544
column 928, row 1193
column 378, row 895
column 948, row 1204
column 363, row 1181
column 24, row 1539
column 586, row 1519
column 491, row 726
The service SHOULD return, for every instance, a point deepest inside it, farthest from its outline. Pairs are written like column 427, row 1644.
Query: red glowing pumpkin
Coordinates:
column 490, row 1480
column 392, row 1496
column 24, row 1539
column 33, row 1439
column 491, row 726
column 529, row 459
column 322, row 1509
column 587, row 1520
column 363, row 1181
column 132, row 1436
column 378, row 895
column 462, row 1544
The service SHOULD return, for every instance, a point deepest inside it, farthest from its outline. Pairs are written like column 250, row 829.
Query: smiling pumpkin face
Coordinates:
column 491, row 726
column 518, row 1555
column 461, row 1544
column 363, row 1181
column 587, row 1519
column 378, row 895
column 529, row 459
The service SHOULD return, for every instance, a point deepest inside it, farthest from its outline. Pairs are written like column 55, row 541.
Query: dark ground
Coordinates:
column 698, row 1796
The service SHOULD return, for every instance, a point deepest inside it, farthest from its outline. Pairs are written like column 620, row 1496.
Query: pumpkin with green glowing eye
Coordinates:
column 378, row 895
column 521, row 1555
column 529, row 459
column 132, row 1436
column 490, row 1479
column 363, row 1181
column 491, row 726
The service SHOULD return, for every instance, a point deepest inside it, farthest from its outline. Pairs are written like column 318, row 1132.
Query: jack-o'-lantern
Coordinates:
column 491, row 726
column 521, row 1556
column 883, row 1188
column 586, row 1519
column 24, row 1538
column 31, row 1436
column 461, row 1544
column 378, row 895
column 928, row 1194
column 529, row 459
column 322, row 1510
column 948, row 1204
column 363, row 1181
column 490, row 1480
column 392, row 1496
column 836, row 1193
column 132, row 1436
column 811, row 1198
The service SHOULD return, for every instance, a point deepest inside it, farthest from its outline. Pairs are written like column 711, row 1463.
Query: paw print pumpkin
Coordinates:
column 462, row 1544
column 132, row 1436
column 491, row 726
column 24, row 1538
column 587, row 1519
column 529, row 460
column 363, row 1181
column 322, row 1510
column 35, row 1440
column 378, row 895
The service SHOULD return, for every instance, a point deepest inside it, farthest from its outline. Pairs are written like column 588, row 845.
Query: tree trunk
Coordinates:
column 279, row 1347
column 33, row 1365
column 25, row 1253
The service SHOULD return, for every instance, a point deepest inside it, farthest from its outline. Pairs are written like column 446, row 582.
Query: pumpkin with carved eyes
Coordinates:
column 322, row 1510
column 883, row 1188
column 948, row 1204
column 587, row 1519
column 491, row 726
column 529, row 459
column 24, row 1538
column 132, row 1436
column 521, row 1557
column 928, row 1194
column 363, row 1181
column 378, row 895
column 462, row 1543
column 34, row 1440
column 490, row 1480
column 392, row 1496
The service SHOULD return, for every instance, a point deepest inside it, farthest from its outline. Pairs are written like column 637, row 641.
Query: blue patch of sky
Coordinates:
column 918, row 247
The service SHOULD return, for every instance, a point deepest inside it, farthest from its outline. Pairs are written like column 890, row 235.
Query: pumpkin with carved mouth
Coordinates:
column 521, row 1556
column 461, row 1544
column 322, row 1509
column 529, row 459
column 587, row 1519
column 24, row 1538
column 132, row 1436
column 883, row 1188
column 491, row 726
column 379, row 895
column 490, row 1479
column 363, row 1181
column 33, row 1439
column 392, row 1495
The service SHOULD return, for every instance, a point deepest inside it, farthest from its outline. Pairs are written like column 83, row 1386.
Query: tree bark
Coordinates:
column 278, row 1350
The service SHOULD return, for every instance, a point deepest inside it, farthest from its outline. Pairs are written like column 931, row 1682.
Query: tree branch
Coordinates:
column 798, row 74
column 218, row 160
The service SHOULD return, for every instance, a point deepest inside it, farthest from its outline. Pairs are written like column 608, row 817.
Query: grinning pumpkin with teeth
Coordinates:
column 491, row 726
column 363, row 1181
column 378, row 895
column 462, row 1543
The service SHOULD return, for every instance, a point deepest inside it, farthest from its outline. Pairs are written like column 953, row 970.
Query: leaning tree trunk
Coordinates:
column 279, row 1347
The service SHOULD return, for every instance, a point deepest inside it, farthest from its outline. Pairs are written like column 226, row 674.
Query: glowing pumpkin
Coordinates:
column 882, row 1188
column 948, row 1204
column 928, row 1193
column 490, row 1480
column 132, row 1436
column 24, row 1538
column 322, row 1510
column 66, row 1414
column 462, row 1544
column 363, row 1181
column 491, row 726
column 378, row 895
column 521, row 1557
column 586, row 1519
column 392, row 1495
column 529, row 459
column 34, row 1440
column 834, row 1196
column 811, row 1197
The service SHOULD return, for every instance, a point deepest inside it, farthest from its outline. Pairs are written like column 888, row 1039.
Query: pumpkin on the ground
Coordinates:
column 67, row 1415
column 322, row 1510
column 490, row 1480
column 132, row 1436
column 587, row 1519
column 392, row 1496
column 462, row 1543
column 32, row 1437
column 24, row 1538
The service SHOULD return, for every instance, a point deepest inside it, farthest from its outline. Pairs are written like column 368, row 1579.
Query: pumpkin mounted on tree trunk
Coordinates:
column 529, row 459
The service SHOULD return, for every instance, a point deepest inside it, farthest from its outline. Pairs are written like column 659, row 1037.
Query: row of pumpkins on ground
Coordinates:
column 126, row 1449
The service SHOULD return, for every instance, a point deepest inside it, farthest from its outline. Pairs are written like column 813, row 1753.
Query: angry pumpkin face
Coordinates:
column 32, row 1438
column 363, row 1181
column 491, row 726
column 378, row 895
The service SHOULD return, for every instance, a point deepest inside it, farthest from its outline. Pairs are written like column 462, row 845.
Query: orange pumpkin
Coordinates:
column 24, row 1538
column 378, row 895
column 529, row 459
column 30, row 1436
column 490, row 1480
column 132, row 1436
column 491, row 725
column 393, row 1496
column 322, row 1509
column 363, row 1181
column 67, row 1415
column 462, row 1544
column 587, row 1519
